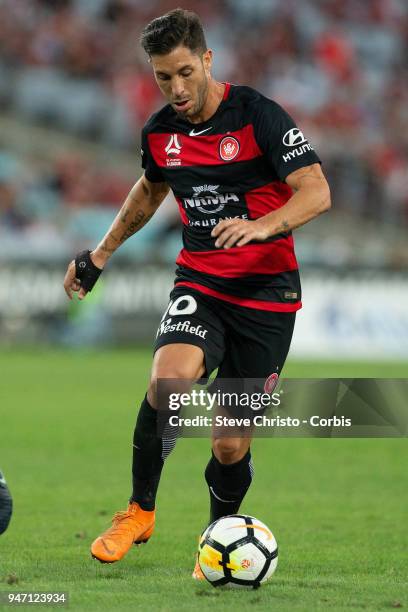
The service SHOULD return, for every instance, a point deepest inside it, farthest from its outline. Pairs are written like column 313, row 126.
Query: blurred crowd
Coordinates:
column 338, row 66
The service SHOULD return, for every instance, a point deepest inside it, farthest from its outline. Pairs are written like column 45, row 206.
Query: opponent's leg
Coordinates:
column 135, row 525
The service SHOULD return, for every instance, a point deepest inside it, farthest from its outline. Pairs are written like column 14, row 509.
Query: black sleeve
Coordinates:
column 282, row 142
column 152, row 170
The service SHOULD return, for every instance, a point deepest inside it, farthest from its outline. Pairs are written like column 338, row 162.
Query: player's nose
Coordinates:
column 177, row 89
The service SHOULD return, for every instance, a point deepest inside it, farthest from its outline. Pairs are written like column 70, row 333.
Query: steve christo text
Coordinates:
column 259, row 420
column 254, row 401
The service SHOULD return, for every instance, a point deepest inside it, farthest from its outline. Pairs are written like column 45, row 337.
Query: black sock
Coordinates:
column 149, row 453
column 228, row 485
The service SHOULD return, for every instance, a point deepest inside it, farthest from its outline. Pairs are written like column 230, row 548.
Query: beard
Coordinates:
column 202, row 93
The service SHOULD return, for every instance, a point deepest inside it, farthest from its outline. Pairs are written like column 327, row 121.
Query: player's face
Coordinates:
column 183, row 79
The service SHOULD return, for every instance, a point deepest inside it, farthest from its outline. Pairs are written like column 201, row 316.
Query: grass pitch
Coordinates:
column 337, row 507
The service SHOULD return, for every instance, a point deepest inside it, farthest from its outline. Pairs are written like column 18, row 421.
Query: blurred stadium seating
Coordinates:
column 75, row 89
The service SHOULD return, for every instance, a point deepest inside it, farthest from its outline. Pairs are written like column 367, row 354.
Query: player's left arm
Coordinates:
column 311, row 198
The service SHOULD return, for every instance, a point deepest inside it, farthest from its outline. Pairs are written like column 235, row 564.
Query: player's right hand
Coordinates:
column 81, row 275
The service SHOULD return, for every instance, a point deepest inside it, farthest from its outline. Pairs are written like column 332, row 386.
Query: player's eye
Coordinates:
column 186, row 74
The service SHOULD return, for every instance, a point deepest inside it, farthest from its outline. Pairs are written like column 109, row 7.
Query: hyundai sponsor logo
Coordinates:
column 293, row 138
column 297, row 152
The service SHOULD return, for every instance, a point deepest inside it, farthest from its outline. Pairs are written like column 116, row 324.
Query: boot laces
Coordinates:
column 118, row 517
column 121, row 516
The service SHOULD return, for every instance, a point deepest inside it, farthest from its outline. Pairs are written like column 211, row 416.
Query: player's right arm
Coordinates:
column 140, row 205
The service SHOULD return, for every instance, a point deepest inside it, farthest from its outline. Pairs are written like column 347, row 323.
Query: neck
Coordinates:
column 214, row 98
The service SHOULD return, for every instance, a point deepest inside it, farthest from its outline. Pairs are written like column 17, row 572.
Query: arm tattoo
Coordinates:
column 284, row 227
column 110, row 243
column 104, row 246
column 106, row 249
column 124, row 216
column 140, row 219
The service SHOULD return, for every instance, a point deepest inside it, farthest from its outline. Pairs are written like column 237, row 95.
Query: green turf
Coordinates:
column 337, row 507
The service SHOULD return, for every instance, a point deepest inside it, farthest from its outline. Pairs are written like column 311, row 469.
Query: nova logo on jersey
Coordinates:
column 229, row 148
column 207, row 200
column 173, row 150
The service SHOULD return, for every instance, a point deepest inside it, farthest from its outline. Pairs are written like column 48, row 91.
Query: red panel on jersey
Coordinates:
column 175, row 150
column 263, row 200
column 226, row 90
column 236, row 262
column 233, row 299
column 183, row 213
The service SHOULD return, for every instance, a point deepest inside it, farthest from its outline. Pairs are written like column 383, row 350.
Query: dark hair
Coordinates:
column 178, row 27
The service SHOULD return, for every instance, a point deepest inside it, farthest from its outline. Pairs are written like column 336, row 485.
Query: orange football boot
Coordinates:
column 131, row 526
column 197, row 572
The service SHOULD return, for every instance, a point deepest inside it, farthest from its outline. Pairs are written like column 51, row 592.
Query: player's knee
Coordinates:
column 169, row 380
column 229, row 450
column 175, row 371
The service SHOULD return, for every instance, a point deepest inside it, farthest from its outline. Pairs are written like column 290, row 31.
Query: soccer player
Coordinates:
column 6, row 504
column 244, row 176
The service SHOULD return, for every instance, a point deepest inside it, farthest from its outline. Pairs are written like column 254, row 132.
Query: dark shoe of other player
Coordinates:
column 6, row 504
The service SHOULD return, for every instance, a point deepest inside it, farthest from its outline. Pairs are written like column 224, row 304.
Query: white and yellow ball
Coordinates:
column 238, row 551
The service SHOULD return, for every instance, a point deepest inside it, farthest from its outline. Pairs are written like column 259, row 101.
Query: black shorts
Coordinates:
column 241, row 342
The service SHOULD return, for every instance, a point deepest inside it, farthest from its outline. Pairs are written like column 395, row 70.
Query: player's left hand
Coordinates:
column 82, row 274
column 237, row 232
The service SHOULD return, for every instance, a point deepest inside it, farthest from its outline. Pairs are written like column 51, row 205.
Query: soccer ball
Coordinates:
column 238, row 551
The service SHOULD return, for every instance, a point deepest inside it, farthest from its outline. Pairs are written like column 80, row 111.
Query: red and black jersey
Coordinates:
column 233, row 165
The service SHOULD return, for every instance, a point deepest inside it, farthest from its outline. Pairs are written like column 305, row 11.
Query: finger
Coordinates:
column 69, row 278
column 244, row 240
column 68, row 291
column 226, row 234
column 218, row 229
column 234, row 238
column 82, row 293
column 222, row 238
column 221, row 226
column 67, row 287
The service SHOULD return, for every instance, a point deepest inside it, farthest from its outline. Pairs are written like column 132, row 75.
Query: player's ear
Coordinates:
column 207, row 60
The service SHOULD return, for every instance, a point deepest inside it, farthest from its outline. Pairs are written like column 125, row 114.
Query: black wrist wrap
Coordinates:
column 86, row 271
